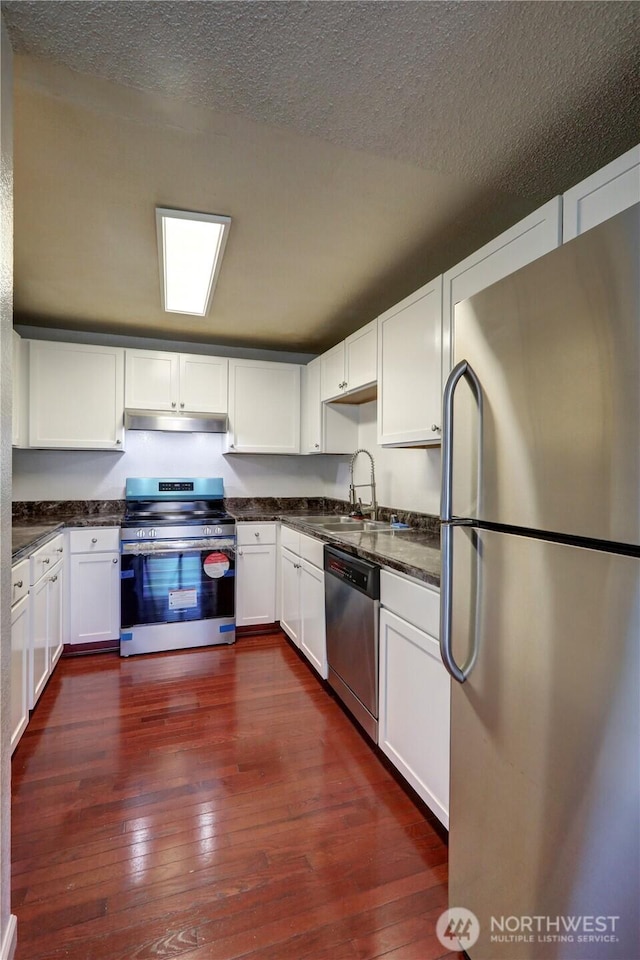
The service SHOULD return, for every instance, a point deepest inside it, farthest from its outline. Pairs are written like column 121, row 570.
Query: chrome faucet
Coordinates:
column 358, row 506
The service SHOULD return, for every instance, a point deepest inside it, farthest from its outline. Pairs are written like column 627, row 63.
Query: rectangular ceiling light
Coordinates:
column 190, row 246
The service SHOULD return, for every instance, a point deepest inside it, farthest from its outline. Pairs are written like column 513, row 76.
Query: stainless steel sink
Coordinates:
column 349, row 523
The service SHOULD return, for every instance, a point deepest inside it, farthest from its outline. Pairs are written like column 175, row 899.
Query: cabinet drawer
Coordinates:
column 418, row 604
column 94, row 540
column 43, row 559
column 312, row 550
column 290, row 539
column 248, row 533
column 19, row 581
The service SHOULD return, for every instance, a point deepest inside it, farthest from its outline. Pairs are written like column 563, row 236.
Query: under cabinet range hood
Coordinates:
column 175, row 422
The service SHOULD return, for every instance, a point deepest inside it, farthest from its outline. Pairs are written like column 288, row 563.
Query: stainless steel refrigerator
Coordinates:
column 541, row 604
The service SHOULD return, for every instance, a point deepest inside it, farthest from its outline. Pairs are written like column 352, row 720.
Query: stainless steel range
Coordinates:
column 178, row 550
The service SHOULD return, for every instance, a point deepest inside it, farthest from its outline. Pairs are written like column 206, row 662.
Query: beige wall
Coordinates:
column 7, row 929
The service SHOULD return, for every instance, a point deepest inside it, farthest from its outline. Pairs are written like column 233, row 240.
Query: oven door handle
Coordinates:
column 174, row 547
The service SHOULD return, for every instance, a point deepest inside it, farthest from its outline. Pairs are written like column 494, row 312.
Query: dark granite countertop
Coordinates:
column 34, row 522
column 27, row 537
column 413, row 552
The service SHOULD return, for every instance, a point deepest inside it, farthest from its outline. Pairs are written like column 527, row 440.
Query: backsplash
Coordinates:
column 29, row 511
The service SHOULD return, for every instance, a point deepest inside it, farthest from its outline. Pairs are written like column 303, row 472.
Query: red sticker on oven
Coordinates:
column 216, row 565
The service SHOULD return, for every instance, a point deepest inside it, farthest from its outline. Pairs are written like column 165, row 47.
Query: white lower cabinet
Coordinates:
column 313, row 639
column 46, row 576
column 256, row 573
column 94, row 585
column 302, row 615
column 290, row 594
column 19, row 650
column 55, row 607
column 415, row 691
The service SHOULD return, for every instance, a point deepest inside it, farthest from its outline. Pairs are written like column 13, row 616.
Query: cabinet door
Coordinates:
column 256, row 585
column 415, row 695
column 604, row 194
column 55, row 593
column 94, row 597
column 203, row 383
column 152, row 380
column 20, row 424
column 311, row 427
column 290, row 567
column 76, row 396
column 409, row 363
column 332, row 373
column 264, row 407
column 326, row 427
column 361, row 357
column 38, row 641
column 313, row 640
column 19, row 647
column 523, row 243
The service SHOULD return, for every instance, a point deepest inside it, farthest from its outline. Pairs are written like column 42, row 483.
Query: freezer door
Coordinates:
column 545, row 770
column 556, row 349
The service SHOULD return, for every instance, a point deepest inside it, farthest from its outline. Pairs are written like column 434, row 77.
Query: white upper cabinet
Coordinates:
column 602, row 195
column 76, row 396
column 409, row 369
column 529, row 239
column 264, row 407
column 332, row 373
column 20, row 425
column 351, row 366
column 326, row 427
column 177, row 382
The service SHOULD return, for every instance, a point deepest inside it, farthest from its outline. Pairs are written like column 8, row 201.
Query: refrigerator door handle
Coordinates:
column 446, row 590
column 463, row 369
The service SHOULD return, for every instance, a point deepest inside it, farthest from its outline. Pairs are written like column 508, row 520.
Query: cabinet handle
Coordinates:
column 94, row 539
column 53, row 579
column 173, row 403
column 19, row 584
column 47, row 560
column 240, row 553
column 182, row 406
column 60, row 550
column 435, row 428
column 118, row 441
column 317, row 446
column 232, row 446
column 257, row 533
column 115, row 559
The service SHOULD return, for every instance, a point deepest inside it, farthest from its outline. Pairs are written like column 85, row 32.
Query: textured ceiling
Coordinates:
column 360, row 148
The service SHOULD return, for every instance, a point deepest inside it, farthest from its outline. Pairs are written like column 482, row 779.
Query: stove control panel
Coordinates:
column 146, row 532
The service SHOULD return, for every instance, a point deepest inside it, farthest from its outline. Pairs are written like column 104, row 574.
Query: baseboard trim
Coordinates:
column 257, row 629
column 10, row 939
column 97, row 646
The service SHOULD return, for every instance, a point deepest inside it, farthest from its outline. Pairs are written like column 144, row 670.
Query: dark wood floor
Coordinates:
column 213, row 804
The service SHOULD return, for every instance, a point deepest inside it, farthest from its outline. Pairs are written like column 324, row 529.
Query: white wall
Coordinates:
column 100, row 475
column 406, row 479
column 7, row 928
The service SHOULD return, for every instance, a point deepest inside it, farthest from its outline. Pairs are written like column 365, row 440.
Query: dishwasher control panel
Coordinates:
column 358, row 573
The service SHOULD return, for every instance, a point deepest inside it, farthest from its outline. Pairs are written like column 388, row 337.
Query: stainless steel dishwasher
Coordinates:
column 352, row 601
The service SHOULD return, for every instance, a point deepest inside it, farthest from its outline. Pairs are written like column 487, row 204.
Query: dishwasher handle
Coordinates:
column 362, row 575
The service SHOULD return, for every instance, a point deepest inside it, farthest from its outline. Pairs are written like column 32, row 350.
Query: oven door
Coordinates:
column 175, row 581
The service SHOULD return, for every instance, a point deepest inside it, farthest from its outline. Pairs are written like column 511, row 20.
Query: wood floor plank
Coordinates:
column 213, row 804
